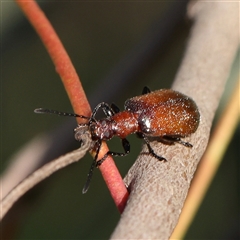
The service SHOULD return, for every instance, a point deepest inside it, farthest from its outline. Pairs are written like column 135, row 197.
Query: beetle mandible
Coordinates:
column 165, row 114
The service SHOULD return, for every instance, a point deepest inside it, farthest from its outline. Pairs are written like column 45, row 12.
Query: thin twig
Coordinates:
column 43, row 173
column 75, row 92
column 59, row 56
column 24, row 162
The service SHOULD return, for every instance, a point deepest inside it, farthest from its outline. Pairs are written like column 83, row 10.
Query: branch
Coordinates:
column 158, row 189
column 220, row 139
column 44, row 172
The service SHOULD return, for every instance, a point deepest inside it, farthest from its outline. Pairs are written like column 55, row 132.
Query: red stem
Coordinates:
column 76, row 94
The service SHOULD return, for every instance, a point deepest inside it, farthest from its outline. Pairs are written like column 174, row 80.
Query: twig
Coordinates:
column 158, row 190
column 75, row 92
column 43, row 173
column 59, row 56
column 23, row 163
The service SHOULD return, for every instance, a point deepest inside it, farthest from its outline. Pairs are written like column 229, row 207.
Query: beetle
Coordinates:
column 164, row 114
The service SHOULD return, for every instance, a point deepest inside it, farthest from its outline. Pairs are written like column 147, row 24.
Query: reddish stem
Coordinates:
column 75, row 92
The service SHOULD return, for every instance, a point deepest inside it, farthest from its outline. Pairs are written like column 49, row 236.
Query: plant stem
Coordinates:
column 72, row 84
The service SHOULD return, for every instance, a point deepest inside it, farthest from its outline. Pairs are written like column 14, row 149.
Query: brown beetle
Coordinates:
column 164, row 114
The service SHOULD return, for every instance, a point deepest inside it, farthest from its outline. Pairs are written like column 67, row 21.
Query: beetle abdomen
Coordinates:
column 165, row 112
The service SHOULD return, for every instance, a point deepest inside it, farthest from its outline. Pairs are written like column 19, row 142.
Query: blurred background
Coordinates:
column 117, row 48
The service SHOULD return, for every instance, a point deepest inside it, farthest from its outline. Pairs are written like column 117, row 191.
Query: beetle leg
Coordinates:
column 139, row 134
column 89, row 177
column 115, row 108
column 151, row 151
column 172, row 140
column 145, row 90
column 126, row 147
column 90, row 173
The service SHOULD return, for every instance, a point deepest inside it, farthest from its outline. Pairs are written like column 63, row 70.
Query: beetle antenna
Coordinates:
column 49, row 111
